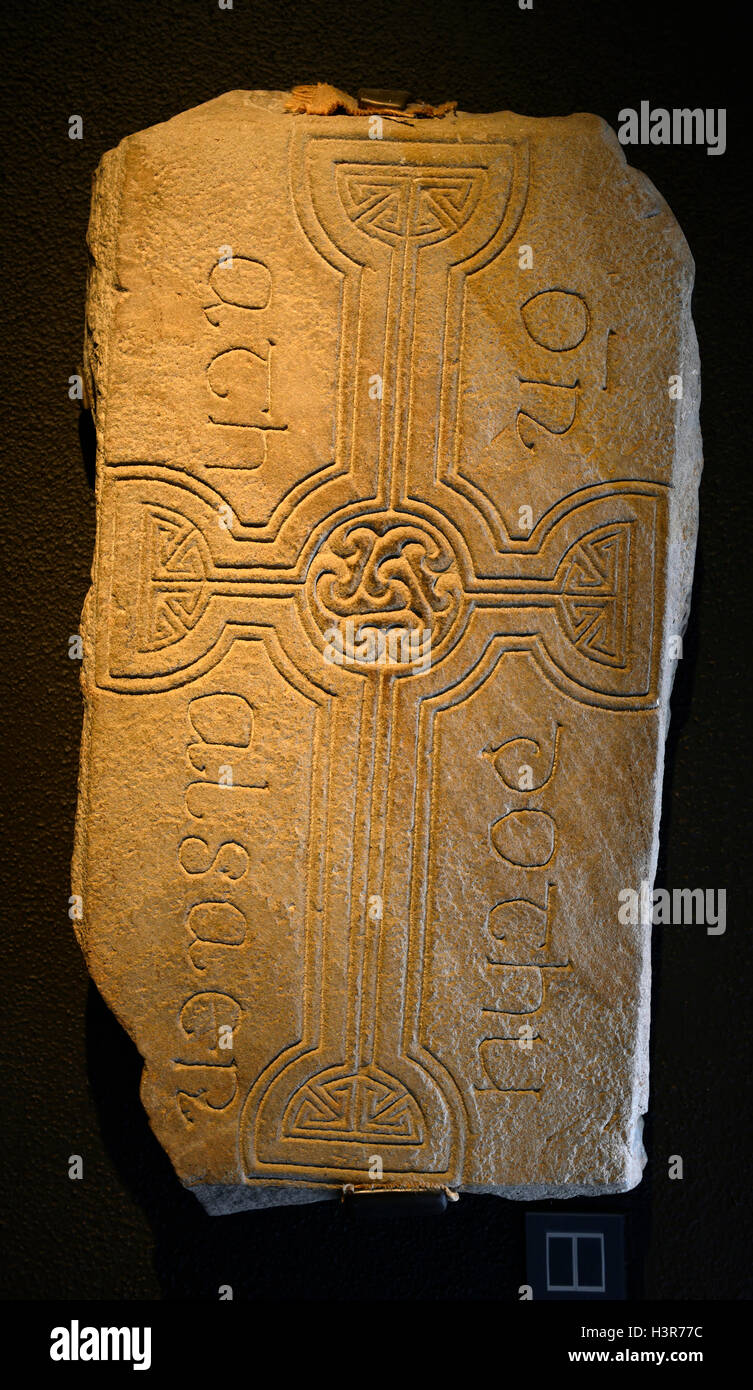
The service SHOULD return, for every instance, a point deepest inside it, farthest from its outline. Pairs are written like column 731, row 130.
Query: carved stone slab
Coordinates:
column 396, row 496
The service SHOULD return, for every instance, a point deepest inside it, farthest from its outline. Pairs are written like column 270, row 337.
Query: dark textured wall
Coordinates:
column 128, row 1230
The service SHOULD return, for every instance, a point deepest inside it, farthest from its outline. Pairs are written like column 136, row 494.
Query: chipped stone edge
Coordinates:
column 682, row 537
column 101, row 292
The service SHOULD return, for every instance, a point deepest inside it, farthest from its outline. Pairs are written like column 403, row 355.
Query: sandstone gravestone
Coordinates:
column 397, row 469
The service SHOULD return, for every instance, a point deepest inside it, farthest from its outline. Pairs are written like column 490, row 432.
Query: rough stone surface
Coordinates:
column 357, row 899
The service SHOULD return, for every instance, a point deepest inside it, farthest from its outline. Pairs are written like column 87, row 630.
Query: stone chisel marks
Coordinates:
column 396, row 515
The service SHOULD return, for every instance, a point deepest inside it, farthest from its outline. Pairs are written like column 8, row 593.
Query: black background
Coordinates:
column 128, row 1230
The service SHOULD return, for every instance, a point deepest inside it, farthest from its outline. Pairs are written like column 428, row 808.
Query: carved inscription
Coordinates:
column 518, row 930
column 557, row 321
column 221, row 733
column 240, row 377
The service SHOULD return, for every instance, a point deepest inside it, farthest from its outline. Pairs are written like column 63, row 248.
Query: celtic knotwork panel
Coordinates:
column 366, row 1106
column 595, row 601
column 421, row 204
column 175, row 564
column 384, row 573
